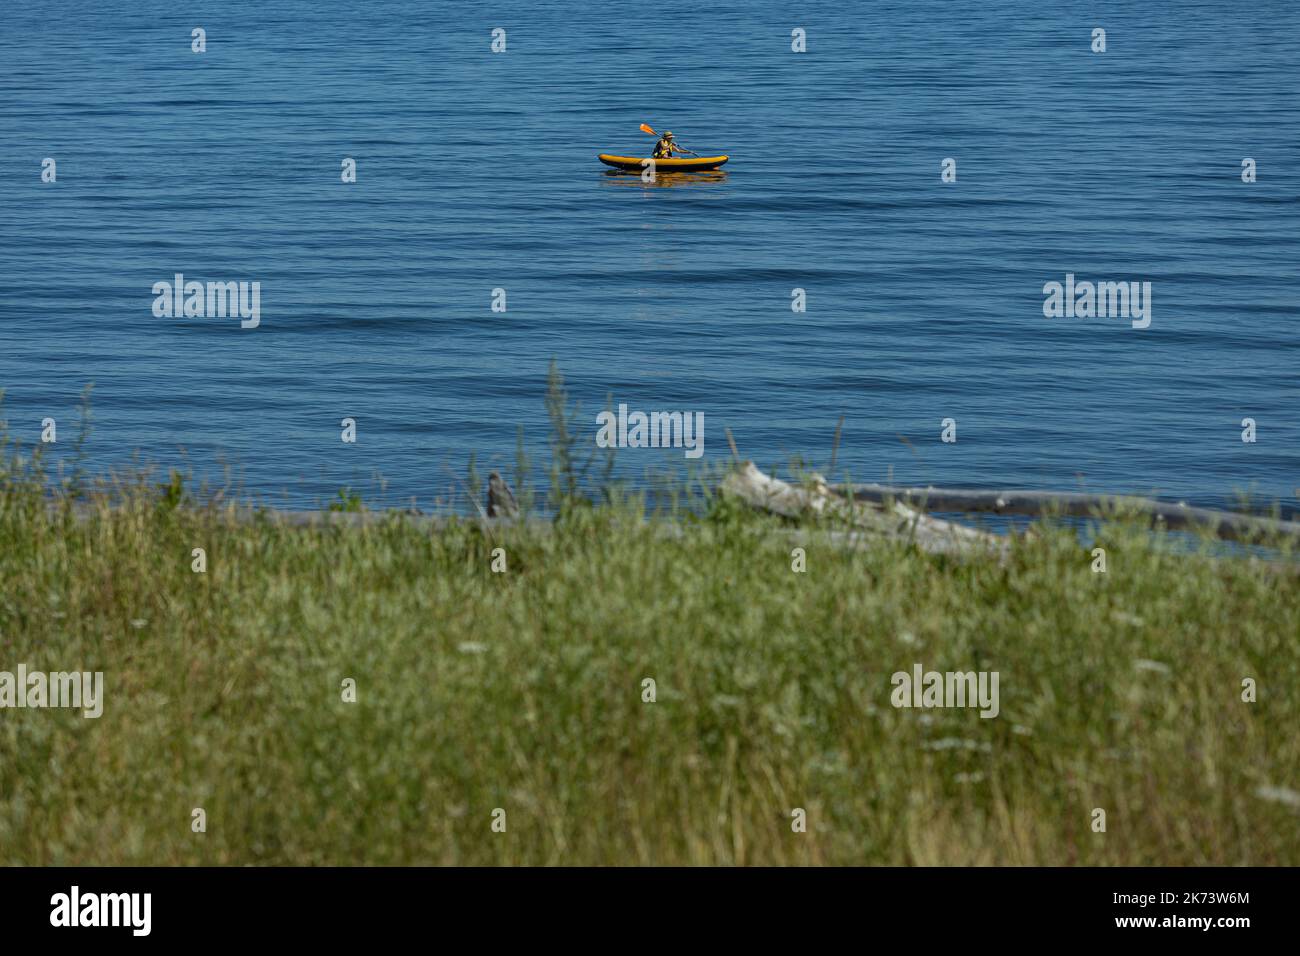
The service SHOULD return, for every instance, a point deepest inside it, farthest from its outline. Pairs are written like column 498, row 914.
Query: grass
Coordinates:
column 523, row 690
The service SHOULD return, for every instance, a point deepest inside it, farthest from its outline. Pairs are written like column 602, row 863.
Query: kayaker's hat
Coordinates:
column 668, row 135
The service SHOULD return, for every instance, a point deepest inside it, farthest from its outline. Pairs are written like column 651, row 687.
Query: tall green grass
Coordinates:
column 523, row 690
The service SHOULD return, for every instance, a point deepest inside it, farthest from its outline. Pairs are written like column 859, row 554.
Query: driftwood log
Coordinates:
column 893, row 520
column 1174, row 515
column 901, row 512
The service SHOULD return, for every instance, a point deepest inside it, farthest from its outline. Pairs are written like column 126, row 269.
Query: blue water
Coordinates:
column 478, row 170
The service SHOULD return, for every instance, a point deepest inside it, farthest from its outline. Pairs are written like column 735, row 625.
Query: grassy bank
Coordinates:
column 523, row 690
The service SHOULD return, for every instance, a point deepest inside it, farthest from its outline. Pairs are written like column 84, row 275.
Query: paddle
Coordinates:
column 645, row 128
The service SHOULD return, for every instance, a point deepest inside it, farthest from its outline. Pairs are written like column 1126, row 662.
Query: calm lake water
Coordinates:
column 478, row 170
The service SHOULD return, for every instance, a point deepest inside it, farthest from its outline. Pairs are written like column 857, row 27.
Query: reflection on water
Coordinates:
column 620, row 177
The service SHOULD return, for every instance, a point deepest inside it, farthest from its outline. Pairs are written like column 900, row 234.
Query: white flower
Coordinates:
column 1145, row 665
column 956, row 743
column 1279, row 795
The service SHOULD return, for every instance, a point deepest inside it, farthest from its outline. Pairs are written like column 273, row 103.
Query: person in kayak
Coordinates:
column 665, row 148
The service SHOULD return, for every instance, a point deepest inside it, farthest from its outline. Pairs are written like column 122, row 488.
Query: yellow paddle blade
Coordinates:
column 645, row 128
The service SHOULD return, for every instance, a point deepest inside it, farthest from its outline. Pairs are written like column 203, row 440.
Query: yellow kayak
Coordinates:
column 684, row 165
